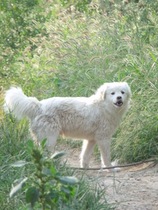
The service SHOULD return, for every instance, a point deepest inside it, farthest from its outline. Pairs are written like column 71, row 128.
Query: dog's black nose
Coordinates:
column 119, row 97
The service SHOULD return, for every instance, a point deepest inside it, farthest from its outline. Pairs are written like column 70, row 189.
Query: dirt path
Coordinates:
column 133, row 188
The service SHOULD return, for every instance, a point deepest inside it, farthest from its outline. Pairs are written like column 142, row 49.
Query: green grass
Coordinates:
column 71, row 53
column 12, row 144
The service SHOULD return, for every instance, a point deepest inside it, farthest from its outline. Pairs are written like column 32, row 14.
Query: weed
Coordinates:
column 45, row 187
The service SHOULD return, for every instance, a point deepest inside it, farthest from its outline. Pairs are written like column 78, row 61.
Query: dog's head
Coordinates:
column 116, row 94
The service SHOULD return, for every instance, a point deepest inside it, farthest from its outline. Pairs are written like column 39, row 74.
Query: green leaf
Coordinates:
column 53, row 170
column 68, row 180
column 43, row 143
column 17, row 187
column 36, row 155
column 19, row 163
column 58, row 155
column 66, row 189
column 32, row 195
column 30, row 145
column 46, row 171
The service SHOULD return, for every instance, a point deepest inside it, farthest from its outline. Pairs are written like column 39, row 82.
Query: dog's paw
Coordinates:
column 115, row 170
column 115, row 164
column 112, row 167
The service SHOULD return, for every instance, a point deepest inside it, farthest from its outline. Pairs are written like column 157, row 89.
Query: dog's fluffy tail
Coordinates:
column 21, row 105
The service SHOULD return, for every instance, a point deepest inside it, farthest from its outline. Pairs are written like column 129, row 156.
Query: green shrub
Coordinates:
column 45, row 187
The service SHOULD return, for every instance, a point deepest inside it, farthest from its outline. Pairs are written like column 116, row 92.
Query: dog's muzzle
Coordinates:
column 119, row 103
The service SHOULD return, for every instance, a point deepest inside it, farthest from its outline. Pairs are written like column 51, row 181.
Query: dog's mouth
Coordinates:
column 119, row 103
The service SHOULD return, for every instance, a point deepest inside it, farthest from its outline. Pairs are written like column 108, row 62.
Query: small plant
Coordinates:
column 45, row 188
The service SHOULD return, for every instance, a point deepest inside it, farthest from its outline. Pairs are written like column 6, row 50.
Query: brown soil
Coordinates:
column 133, row 188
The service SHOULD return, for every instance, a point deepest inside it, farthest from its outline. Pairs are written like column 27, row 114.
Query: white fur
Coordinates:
column 93, row 118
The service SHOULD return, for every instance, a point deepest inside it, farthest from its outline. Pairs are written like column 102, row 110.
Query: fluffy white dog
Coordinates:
column 93, row 118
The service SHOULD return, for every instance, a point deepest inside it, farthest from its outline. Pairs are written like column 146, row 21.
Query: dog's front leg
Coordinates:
column 104, row 146
column 87, row 149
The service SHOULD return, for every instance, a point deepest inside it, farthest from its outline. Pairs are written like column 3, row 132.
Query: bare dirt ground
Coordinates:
column 133, row 188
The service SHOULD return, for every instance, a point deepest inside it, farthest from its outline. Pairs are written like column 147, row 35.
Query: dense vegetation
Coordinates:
column 69, row 48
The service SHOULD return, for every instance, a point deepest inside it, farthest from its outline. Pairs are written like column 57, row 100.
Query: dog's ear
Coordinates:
column 128, row 89
column 101, row 92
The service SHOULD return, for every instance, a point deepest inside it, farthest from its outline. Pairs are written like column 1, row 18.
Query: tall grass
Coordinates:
column 13, row 137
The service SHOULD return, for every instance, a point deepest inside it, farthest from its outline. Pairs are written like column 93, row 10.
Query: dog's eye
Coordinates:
column 122, row 92
column 113, row 93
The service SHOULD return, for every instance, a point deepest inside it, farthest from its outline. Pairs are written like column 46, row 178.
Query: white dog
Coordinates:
column 93, row 118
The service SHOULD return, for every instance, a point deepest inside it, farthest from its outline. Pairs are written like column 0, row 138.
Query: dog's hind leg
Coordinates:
column 87, row 149
column 51, row 141
column 46, row 127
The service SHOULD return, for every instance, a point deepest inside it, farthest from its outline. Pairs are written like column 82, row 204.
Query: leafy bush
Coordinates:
column 45, row 187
